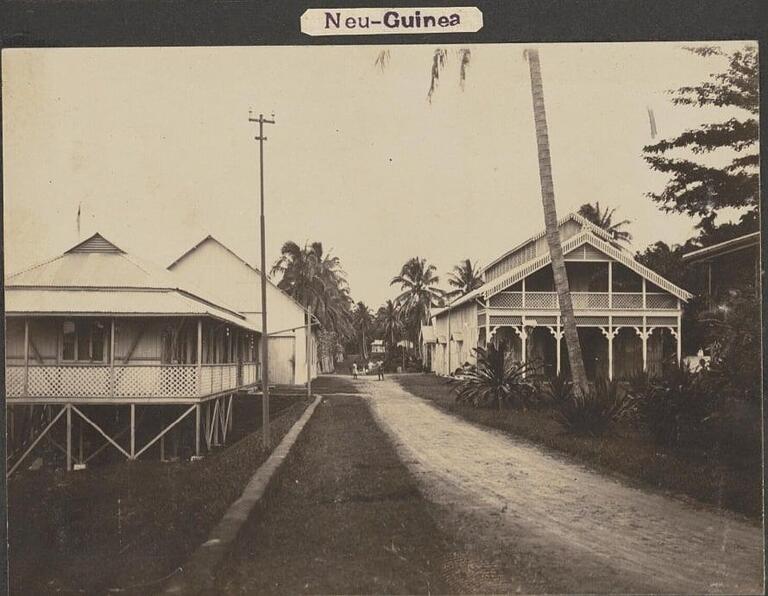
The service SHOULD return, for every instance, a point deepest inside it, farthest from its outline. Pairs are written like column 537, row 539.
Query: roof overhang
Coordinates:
column 40, row 302
column 723, row 248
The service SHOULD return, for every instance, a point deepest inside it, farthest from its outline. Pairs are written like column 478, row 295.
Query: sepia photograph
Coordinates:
column 417, row 318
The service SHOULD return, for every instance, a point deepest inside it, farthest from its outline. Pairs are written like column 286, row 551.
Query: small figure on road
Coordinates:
column 380, row 371
column 354, row 370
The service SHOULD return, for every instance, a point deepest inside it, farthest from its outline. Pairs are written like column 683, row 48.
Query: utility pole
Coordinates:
column 308, row 350
column 264, row 334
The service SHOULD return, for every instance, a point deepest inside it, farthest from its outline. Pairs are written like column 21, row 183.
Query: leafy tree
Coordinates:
column 464, row 277
column 389, row 324
column 701, row 189
column 315, row 278
column 419, row 294
column 603, row 218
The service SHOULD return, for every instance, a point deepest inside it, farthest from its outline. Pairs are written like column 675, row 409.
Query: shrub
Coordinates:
column 493, row 381
column 679, row 407
column 559, row 389
column 593, row 413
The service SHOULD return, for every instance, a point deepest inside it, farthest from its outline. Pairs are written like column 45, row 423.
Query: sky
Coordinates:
column 155, row 147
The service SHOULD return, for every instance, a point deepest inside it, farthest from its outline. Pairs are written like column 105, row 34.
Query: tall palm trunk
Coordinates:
column 550, row 220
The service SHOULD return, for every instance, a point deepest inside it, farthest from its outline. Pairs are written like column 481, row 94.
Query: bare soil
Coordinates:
column 126, row 526
column 528, row 520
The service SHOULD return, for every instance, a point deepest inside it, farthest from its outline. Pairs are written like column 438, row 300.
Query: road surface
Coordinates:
column 525, row 520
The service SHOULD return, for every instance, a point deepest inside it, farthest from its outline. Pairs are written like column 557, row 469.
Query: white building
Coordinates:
column 628, row 317
column 219, row 271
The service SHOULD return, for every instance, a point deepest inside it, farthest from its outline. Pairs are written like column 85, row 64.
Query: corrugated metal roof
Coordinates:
column 738, row 243
column 103, row 279
column 52, row 301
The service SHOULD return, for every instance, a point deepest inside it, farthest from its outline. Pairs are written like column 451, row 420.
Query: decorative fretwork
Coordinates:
column 592, row 321
column 662, row 321
column 632, row 321
column 505, row 320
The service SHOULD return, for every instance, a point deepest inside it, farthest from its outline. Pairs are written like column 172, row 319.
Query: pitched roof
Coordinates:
column 210, row 238
column 716, row 250
column 586, row 236
column 582, row 221
column 97, row 276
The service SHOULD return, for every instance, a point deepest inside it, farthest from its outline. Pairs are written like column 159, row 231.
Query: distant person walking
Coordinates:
column 354, row 370
column 380, row 371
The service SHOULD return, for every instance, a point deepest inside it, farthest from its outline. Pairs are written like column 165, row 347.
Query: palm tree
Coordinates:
column 362, row 321
column 553, row 233
column 439, row 60
column 315, row 278
column 604, row 219
column 389, row 324
column 465, row 277
column 419, row 293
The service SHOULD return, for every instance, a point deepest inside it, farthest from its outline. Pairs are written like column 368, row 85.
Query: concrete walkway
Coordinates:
column 530, row 521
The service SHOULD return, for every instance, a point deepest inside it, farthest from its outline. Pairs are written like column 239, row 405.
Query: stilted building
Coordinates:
column 102, row 344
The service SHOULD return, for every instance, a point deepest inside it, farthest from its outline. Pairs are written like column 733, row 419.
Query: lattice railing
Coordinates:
column 660, row 302
column 584, row 301
column 590, row 300
column 133, row 381
column 507, row 300
column 156, row 381
column 625, row 301
column 540, row 300
column 14, row 380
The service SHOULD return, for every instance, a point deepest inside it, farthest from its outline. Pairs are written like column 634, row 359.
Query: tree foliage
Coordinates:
column 701, row 189
column 419, row 294
column 603, row 218
column 464, row 278
column 389, row 325
column 315, row 278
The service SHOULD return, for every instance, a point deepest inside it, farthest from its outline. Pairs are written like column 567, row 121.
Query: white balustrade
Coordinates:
column 131, row 381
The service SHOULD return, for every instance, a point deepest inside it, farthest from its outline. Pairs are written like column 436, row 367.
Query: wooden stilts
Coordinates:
column 197, row 429
column 133, row 431
column 80, row 442
column 162, row 448
column 69, row 437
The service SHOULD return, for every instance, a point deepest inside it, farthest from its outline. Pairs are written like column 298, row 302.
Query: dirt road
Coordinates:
column 525, row 520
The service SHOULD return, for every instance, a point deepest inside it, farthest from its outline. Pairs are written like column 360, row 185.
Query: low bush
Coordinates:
column 594, row 412
column 681, row 407
column 494, row 382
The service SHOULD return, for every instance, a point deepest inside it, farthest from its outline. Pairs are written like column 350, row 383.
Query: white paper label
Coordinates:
column 388, row 21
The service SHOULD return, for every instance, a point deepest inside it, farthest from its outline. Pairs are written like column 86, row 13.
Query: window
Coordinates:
column 83, row 341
